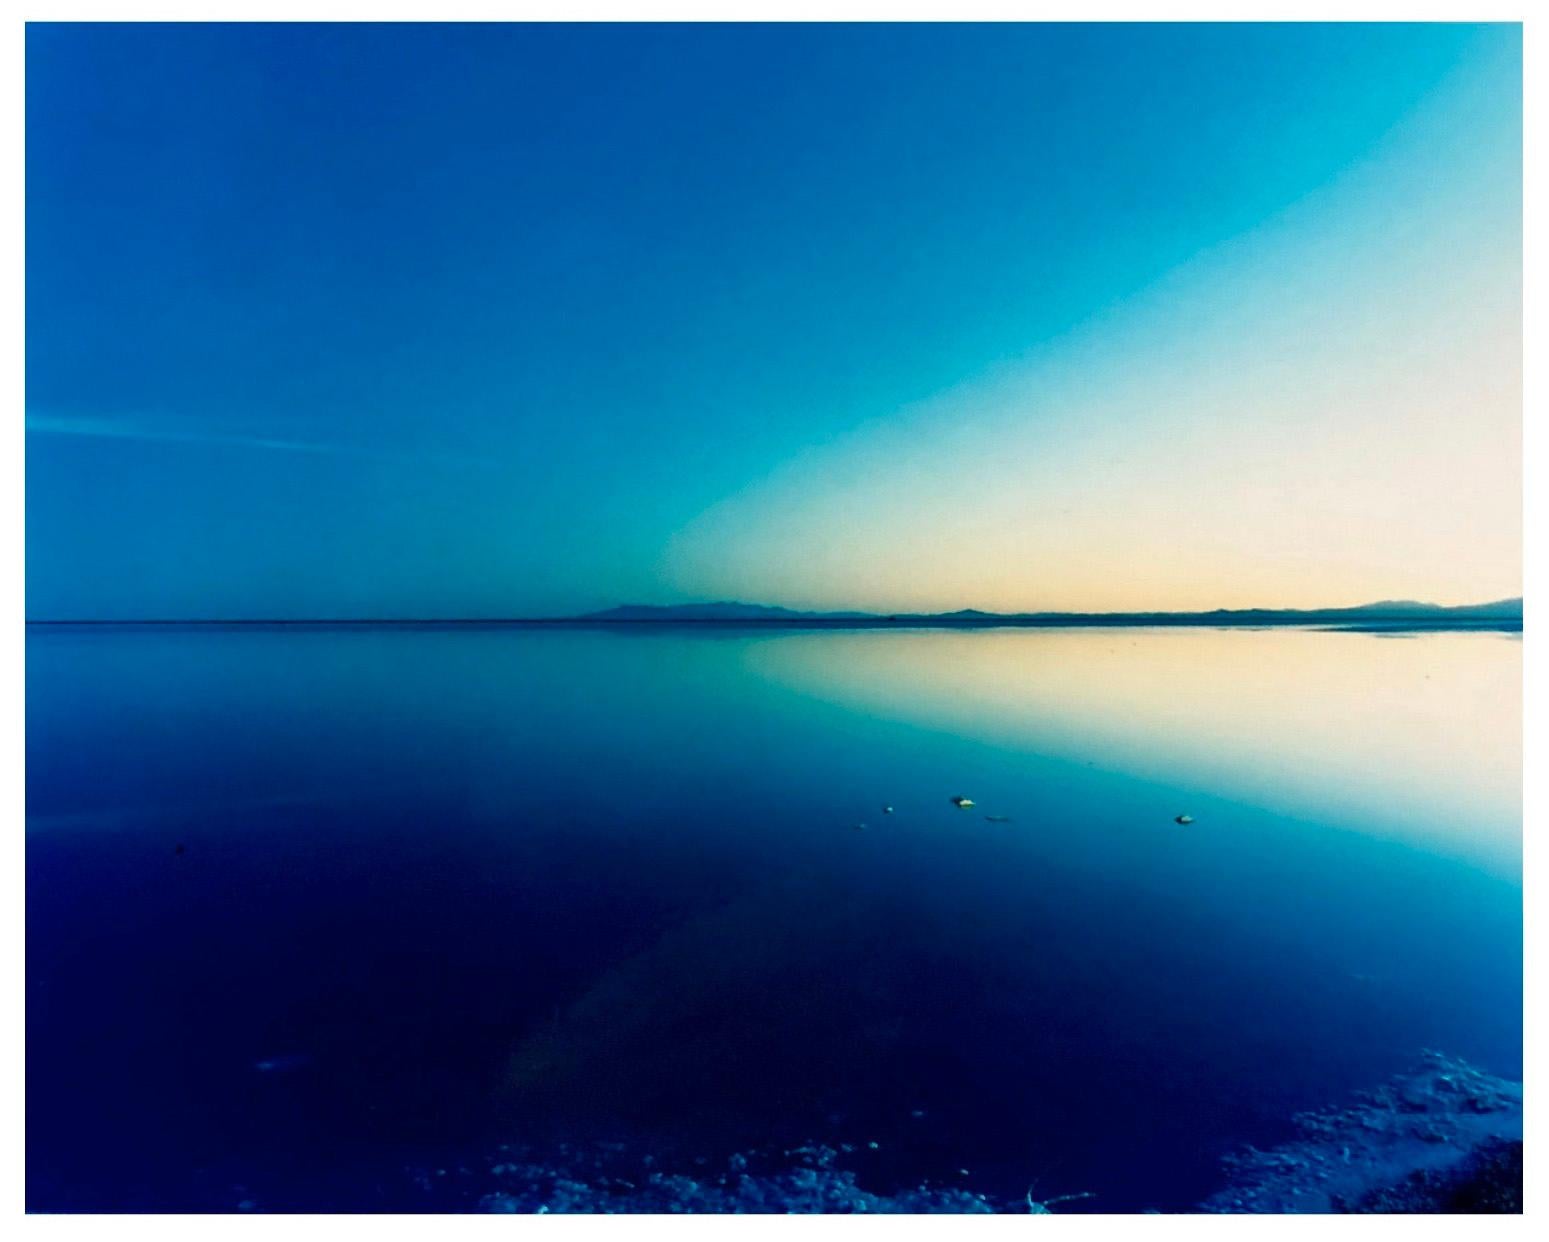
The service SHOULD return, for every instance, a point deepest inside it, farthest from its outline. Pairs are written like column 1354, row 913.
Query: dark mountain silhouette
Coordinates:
column 1496, row 608
column 1387, row 614
column 1503, row 614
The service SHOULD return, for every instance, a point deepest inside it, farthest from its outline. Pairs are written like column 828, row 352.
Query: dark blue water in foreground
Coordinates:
column 307, row 906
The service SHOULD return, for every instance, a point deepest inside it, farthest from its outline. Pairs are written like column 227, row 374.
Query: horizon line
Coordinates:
column 1397, row 609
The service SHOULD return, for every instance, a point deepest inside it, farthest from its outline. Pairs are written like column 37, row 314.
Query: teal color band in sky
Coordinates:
column 399, row 320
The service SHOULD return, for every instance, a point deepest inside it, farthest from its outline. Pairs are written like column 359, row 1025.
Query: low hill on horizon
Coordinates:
column 1382, row 611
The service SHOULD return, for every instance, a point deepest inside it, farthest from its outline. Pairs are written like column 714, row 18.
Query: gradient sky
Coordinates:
column 477, row 321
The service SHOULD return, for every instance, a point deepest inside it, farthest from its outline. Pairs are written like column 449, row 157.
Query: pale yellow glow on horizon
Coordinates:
column 1324, row 412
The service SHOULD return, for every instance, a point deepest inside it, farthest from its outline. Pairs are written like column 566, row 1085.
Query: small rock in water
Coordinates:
column 887, row 810
column 961, row 802
column 998, row 819
column 283, row 1065
column 858, row 827
column 1183, row 819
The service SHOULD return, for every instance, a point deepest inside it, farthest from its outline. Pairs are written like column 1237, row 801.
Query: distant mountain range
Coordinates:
column 1385, row 614
column 1393, row 614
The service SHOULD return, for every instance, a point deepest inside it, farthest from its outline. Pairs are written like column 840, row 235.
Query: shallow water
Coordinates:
column 306, row 906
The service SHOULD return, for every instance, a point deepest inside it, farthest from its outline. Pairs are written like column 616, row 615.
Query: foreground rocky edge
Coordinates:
column 1443, row 1138
column 1446, row 1137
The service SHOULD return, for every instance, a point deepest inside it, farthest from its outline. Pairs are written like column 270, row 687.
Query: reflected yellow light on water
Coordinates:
column 1410, row 737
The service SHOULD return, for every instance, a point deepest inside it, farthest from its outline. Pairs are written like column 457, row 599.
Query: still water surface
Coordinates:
column 307, row 906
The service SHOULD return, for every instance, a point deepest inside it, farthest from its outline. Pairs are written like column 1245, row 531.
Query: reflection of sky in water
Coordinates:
column 1412, row 737
column 585, row 880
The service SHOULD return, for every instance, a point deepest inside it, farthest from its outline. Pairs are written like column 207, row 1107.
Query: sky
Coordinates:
column 463, row 321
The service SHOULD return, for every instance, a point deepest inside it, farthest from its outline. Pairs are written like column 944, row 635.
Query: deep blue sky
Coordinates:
column 461, row 320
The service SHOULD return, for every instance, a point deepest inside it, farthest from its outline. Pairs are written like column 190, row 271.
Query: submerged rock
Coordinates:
column 1488, row 1182
column 1444, row 1135
column 961, row 802
column 803, row 1180
column 284, row 1064
column 1443, row 1138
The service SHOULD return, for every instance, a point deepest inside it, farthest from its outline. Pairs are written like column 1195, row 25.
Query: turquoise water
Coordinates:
column 308, row 906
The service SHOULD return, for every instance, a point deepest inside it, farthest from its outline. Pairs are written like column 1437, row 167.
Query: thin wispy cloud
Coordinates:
column 152, row 431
